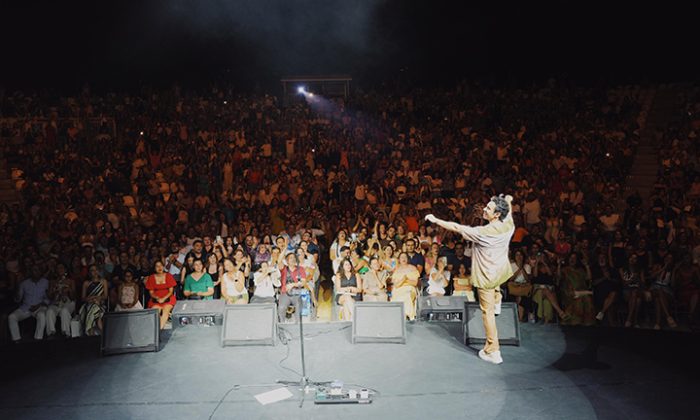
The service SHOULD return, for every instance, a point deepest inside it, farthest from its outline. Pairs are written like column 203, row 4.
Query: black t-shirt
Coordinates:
column 118, row 271
column 202, row 257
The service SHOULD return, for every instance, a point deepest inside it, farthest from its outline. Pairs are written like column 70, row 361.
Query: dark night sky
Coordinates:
column 246, row 42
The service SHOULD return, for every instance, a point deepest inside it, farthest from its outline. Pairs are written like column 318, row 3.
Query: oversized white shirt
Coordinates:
column 490, row 263
column 265, row 283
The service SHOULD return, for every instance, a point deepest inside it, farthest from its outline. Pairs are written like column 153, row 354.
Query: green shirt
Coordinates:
column 199, row 286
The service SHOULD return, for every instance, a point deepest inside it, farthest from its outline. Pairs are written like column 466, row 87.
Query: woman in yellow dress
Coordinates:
column 404, row 280
column 462, row 283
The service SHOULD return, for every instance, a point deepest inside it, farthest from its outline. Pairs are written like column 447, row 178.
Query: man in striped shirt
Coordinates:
column 490, row 264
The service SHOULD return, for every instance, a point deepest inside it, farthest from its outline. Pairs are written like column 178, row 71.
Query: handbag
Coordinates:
column 519, row 289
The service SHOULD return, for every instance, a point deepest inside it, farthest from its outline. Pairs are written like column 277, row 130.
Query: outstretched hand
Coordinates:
column 430, row 218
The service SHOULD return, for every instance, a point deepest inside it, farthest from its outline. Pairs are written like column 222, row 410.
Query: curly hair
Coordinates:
column 502, row 206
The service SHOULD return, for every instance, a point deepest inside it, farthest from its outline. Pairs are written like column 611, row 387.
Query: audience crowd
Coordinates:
column 131, row 201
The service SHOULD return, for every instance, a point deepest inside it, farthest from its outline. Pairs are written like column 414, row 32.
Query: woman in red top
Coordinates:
column 161, row 286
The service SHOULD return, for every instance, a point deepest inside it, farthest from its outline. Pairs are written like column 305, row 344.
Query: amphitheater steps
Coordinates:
column 645, row 168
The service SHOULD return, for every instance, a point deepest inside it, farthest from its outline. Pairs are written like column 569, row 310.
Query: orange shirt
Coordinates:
column 411, row 223
column 520, row 234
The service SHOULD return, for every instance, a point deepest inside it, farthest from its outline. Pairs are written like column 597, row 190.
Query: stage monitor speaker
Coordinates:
column 131, row 331
column 249, row 325
column 506, row 323
column 198, row 312
column 379, row 322
column 442, row 308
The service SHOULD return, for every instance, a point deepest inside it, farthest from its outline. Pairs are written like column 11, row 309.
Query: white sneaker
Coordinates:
column 494, row 357
column 497, row 309
column 600, row 316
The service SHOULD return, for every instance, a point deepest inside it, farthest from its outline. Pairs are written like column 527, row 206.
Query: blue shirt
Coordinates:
column 417, row 259
column 31, row 293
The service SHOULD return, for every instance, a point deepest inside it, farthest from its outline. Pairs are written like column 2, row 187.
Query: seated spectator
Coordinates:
column 686, row 282
column 554, row 224
column 439, row 278
column 262, row 254
column 308, row 263
column 544, row 295
column 276, row 258
column 662, row 291
column 610, row 220
column 387, row 259
column 374, row 282
column 161, row 286
column 519, row 285
column 293, row 281
column 128, row 294
column 577, row 297
column 562, row 247
column 633, row 281
column 62, row 295
column 337, row 249
column 186, row 270
column 118, row 275
column 404, row 281
column 358, row 260
column 605, row 287
column 94, row 296
column 233, row 289
column 198, row 284
column 213, row 268
column 348, row 288
column 462, row 283
column 266, row 279
column 33, row 301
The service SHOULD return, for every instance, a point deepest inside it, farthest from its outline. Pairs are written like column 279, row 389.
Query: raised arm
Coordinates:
column 451, row 226
column 468, row 232
column 509, row 217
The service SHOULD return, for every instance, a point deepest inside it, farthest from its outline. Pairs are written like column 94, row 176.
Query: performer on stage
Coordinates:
column 490, row 264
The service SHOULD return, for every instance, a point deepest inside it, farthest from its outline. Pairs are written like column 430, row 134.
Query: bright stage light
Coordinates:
column 301, row 89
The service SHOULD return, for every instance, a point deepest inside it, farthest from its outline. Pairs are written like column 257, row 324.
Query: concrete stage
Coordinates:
column 575, row 373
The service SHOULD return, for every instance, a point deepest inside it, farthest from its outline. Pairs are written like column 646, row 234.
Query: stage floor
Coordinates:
column 574, row 373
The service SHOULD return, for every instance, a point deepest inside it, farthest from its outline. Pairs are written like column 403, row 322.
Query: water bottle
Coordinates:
column 305, row 303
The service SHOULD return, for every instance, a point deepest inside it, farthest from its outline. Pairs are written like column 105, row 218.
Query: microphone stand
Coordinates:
column 304, row 382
